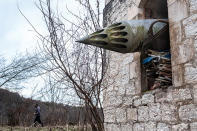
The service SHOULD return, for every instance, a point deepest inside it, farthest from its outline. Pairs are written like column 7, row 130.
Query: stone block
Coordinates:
column 112, row 101
column 124, row 69
column 155, row 112
column 164, row 96
column 190, row 73
column 132, row 114
column 139, row 127
column 117, row 82
column 124, row 79
column 109, row 88
column 137, row 101
column 126, row 127
column 130, row 89
column 135, row 67
column 113, row 68
column 136, row 57
column 175, row 34
column 163, row 127
column 121, row 90
column 193, row 126
column 180, row 127
column 110, row 115
column 182, row 53
column 190, row 26
column 127, row 101
column 121, row 115
column 147, row 99
column 193, row 6
column 168, row 112
column 178, row 10
column 112, row 127
column 174, row 95
column 195, row 94
column 128, row 59
column 134, row 11
column 143, row 113
column 177, row 75
column 109, row 93
column 133, row 70
column 150, row 126
column 188, row 112
column 137, row 84
column 195, row 43
column 160, row 96
column 181, row 94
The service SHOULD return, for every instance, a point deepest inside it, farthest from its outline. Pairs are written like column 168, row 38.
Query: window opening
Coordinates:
column 156, row 69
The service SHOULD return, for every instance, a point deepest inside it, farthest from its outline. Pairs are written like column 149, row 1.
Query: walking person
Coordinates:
column 37, row 115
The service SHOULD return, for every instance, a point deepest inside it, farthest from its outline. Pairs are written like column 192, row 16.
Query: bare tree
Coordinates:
column 52, row 90
column 80, row 68
column 21, row 67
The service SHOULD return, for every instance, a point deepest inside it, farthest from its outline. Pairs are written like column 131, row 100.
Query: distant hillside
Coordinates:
column 16, row 110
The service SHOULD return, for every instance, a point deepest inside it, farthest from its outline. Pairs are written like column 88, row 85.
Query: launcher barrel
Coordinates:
column 125, row 36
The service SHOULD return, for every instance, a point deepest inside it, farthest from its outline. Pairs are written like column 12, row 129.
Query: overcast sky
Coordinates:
column 16, row 35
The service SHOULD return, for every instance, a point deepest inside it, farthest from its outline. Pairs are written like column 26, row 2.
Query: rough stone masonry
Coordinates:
column 126, row 108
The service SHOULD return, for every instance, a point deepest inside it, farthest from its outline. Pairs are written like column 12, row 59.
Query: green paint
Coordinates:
column 123, row 37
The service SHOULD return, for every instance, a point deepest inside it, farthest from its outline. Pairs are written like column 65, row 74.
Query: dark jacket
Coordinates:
column 37, row 111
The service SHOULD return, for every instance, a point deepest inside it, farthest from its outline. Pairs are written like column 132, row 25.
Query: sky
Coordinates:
column 16, row 34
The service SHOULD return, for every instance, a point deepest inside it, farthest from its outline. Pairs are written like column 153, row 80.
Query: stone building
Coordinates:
column 126, row 106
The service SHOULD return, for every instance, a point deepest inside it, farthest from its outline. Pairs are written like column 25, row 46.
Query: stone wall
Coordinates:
column 126, row 108
column 118, row 10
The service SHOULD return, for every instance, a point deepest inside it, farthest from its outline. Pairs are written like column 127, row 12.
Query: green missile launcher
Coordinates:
column 131, row 36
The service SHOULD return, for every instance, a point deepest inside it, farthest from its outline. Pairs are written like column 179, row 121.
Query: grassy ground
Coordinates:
column 58, row 128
